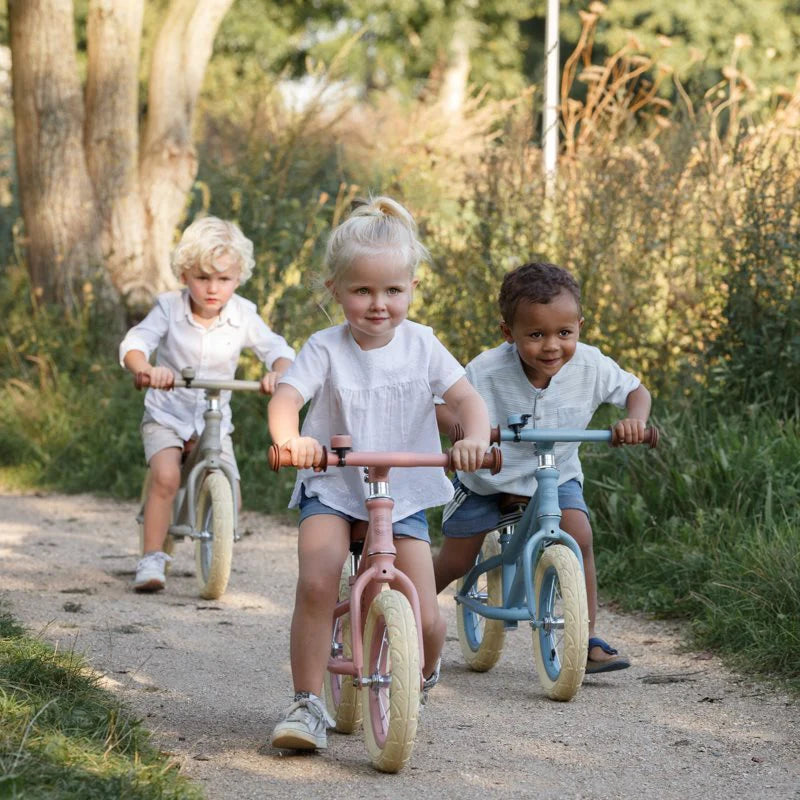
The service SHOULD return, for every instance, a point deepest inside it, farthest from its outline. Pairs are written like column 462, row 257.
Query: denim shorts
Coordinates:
column 413, row 527
column 469, row 513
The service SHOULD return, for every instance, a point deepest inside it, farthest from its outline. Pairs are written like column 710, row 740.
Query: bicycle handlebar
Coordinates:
column 142, row 381
column 498, row 434
column 493, row 460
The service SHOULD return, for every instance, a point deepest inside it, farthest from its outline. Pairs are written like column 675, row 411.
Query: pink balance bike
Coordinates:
column 376, row 644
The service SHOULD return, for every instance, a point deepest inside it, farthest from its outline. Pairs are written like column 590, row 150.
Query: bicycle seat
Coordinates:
column 510, row 502
column 358, row 533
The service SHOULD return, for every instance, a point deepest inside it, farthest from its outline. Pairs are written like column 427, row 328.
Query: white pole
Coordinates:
column 551, row 78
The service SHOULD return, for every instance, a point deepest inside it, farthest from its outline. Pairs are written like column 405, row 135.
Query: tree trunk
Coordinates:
column 453, row 92
column 89, row 192
column 169, row 160
column 114, row 32
column 58, row 204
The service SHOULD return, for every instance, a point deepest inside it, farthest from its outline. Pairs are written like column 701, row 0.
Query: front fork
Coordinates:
column 377, row 567
column 520, row 554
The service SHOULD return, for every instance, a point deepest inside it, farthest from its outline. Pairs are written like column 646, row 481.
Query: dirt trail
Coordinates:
column 211, row 678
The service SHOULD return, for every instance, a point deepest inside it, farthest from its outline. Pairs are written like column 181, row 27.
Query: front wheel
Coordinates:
column 341, row 696
column 482, row 639
column 390, row 703
column 214, row 517
column 561, row 640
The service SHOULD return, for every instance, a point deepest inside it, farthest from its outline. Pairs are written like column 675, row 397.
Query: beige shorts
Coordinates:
column 156, row 436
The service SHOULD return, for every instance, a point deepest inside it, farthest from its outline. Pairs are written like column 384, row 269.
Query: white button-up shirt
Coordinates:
column 213, row 352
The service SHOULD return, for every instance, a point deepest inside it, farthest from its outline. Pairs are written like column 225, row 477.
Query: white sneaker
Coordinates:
column 150, row 572
column 430, row 682
column 304, row 725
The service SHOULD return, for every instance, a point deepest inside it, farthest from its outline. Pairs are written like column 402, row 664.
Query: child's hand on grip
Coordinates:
column 467, row 454
column 628, row 431
column 306, row 451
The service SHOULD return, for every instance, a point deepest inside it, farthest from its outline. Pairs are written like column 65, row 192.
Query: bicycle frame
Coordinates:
column 204, row 457
column 377, row 564
column 538, row 527
column 376, row 567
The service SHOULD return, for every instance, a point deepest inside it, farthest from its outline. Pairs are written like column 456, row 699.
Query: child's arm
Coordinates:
column 270, row 380
column 468, row 408
column 135, row 361
column 445, row 419
column 631, row 429
column 283, row 414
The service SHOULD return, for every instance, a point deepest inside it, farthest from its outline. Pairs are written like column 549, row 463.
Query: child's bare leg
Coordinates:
column 414, row 559
column 577, row 525
column 455, row 558
column 322, row 548
column 165, row 478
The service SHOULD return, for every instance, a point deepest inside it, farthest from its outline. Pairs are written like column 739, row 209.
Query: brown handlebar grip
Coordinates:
column 651, row 437
column 494, row 434
column 492, row 460
column 141, row 380
column 274, row 457
column 456, row 432
column 282, row 458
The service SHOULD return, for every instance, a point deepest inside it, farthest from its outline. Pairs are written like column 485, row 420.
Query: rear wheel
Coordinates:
column 482, row 639
column 341, row 697
column 390, row 704
column 214, row 517
column 561, row 641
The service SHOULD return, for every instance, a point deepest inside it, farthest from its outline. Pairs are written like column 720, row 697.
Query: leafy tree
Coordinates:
column 699, row 40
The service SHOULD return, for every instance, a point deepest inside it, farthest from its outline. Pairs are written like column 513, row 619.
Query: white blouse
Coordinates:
column 213, row 352
column 383, row 398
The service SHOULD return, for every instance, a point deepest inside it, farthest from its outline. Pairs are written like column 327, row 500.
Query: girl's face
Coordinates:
column 375, row 294
column 209, row 292
column 546, row 336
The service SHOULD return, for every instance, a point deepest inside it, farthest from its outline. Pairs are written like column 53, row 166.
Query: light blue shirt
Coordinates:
column 574, row 393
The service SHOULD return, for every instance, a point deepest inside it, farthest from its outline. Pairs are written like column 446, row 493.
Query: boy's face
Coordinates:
column 210, row 291
column 546, row 335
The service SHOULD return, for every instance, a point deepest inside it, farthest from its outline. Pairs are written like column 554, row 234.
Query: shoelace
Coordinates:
column 315, row 707
column 161, row 557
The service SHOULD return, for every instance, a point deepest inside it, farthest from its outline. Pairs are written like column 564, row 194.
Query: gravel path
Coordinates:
column 211, row 678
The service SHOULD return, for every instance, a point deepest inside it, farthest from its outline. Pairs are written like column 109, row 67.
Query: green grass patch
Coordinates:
column 705, row 528
column 63, row 736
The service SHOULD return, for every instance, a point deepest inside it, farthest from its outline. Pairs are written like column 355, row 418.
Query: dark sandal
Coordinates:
column 608, row 665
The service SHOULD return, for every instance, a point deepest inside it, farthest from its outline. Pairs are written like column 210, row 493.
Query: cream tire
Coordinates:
column 214, row 514
column 341, row 697
column 482, row 639
column 559, row 647
column 390, row 705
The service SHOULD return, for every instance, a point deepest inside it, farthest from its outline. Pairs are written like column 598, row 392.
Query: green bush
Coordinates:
column 705, row 527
